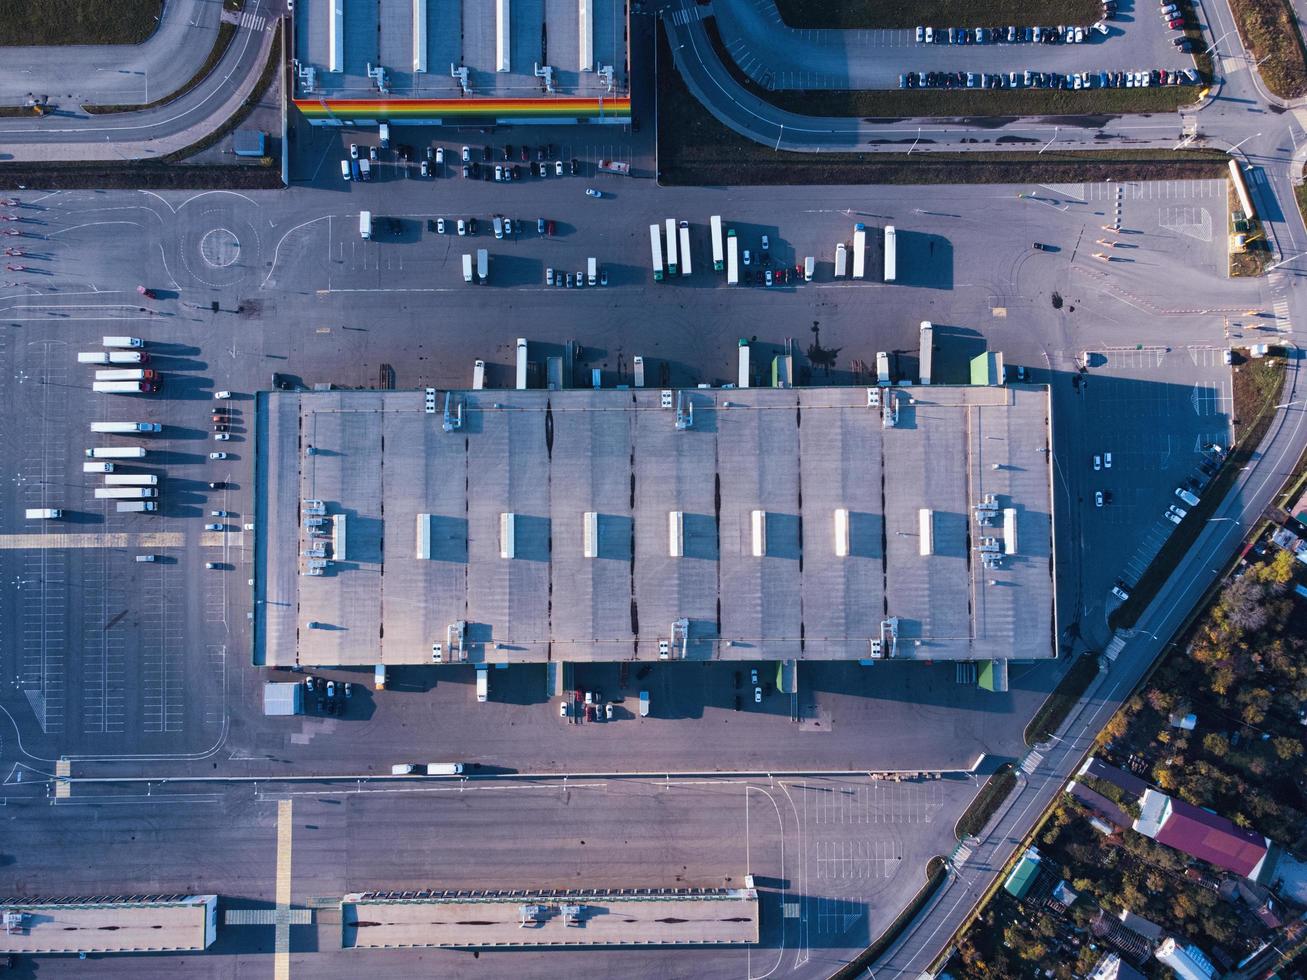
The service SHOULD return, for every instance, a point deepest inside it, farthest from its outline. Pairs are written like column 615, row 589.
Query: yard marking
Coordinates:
column 156, row 539
column 281, row 954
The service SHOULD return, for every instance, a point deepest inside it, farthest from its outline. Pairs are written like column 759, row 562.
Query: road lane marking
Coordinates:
column 281, row 961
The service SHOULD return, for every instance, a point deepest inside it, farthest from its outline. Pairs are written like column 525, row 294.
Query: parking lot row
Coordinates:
column 1144, row 78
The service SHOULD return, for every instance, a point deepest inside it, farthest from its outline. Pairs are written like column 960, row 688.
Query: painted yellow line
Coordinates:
column 281, row 948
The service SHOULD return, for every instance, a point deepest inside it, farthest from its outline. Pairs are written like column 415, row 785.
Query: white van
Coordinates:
column 44, row 513
column 344, row 170
column 385, row 136
column 483, row 683
column 365, row 225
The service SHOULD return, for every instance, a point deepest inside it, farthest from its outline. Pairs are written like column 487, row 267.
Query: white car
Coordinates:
column 608, row 711
column 462, row 227
column 467, row 155
column 221, row 436
column 499, row 172
column 1098, row 462
column 217, row 455
column 921, row 34
column 508, row 227
column 591, row 192
column 1098, row 498
column 213, row 527
column 440, row 226
column 219, row 513
column 549, row 276
column 747, row 257
column 562, row 709
column 1107, row 461
column 558, row 168
column 222, row 395
column 930, row 35
column 353, row 151
column 440, row 154
column 757, row 695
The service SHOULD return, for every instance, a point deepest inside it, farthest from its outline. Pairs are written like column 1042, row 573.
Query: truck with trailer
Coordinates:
column 122, row 387
column 742, row 380
column 891, row 258
column 483, row 682
column 882, row 369
column 672, row 264
column 859, row 250
column 685, row 248
column 521, row 364
column 122, row 342
column 93, row 357
column 656, row 248
column 97, row 467
column 124, row 493
column 43, row 513
column 718, row 261
column 592, row 271
column 131, row 480
column 136, row 507
column 116, row 452
column 732, row 259
column 483, row 266
column 126, row 427
column 128, row 357
column 125, row 374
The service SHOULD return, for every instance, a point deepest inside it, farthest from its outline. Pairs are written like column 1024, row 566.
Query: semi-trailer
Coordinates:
column 126, row 427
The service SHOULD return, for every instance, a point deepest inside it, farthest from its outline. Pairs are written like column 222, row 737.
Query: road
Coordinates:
column 69, row 133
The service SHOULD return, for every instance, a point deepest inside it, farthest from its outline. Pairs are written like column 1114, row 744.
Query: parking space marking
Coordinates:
column 66, row 541
column 837, row 915
column 103, row 648
column 43, row 584
column 162, row 651
column 878, row 802
column 281, row 939
column 1194, row 222
column 856, row 859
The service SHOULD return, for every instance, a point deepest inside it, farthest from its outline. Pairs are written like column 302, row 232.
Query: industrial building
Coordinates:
column 529, row 526
column 481, row 919
column 128, row 924
column 462, row 62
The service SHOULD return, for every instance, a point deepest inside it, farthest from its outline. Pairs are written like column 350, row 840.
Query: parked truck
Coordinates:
column 483, row 682
column 136, row 507
column 467, row 266
column 615, row 167
column 672, row 264
column 43, row 513
column 718, row 261
column 644, row 704
column 126, row 427
column 859, row 250
column 809, row 267
column 841, row 261
column 128, row 357
column 116, row 452
column 125, row 374
column 891, row 254
column 638, row 363
column 97, row 467
column 124, row 493
column 732, row 258
column 131, row 480
column 122, row 342
column 882, row 369
column 685, row 248
column 592, row 271
column 444, row 768
column 93, row 357
column 122, row 387
column 483, row 266
column 656, row 251
column 365, row 224
column 742, row 380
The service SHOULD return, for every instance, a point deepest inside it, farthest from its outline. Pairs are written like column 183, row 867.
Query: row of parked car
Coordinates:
column 1049, row 79
column 1061, row 34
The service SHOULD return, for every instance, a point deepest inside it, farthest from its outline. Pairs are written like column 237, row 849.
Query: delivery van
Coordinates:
column 365, row 224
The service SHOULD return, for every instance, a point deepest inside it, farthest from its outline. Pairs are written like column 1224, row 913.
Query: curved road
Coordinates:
column 71, row 134
column 1270, row 137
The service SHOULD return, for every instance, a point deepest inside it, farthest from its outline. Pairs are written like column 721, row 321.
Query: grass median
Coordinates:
column 856, row 14
column 1256, row 391
column 1059, row 703
column 695, row 149
column 1270, row 34
column 226, row 33
column 24, row 23
column 991, row 796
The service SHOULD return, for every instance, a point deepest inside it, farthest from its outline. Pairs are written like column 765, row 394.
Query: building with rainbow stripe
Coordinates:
column 462, row 62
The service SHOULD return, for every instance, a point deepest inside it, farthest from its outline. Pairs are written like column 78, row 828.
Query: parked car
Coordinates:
column 213, row 527
column 217, row 455
column 591, row 192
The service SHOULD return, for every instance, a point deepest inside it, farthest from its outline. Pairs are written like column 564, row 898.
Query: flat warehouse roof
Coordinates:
column 725, row 916
column 417, row 42
column 585, row 525
column 98, row 926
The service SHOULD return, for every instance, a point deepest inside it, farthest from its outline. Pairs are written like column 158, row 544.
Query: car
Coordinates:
column 487, row 154
column 210, row 564
column 589, row 712
column 373, row 154
column 331, row 689
column 540, row 226
column 467, row 170
column 1102, row 28
column 1120, row 592
column 580, row 279
column 222, row 436
column 1098, row 462
column 1079, row 35
column 1098, row 498
column 930, row 35
column 217, row 485
column 1040, row 247
column 508, row 227
column 222, row 395
column 603, row 276
column 426, row 169
column 562, row 709
column 1107, row 461
column 440, row 154
column 1175, row 23
column 440, row 226
column 769, row 277
column 766, row 245
column 462, row 227
column 753, row 676
column 213, row 527
column 558, row 168
column 575, row 166
column 591, row 192
column 221, row 427
column 508, row 151
column 1173, row 517
column 1227, row 357
column 589, row 697
column 608, row 711
column 353, row 151
column 549, row 276
column 517, row 172
column 921, row 34
column 219, row 513
column 748, row 259
column 499, row 172
column 549, row 228
column 569, row 280
column 757, row 695
column 217, row 455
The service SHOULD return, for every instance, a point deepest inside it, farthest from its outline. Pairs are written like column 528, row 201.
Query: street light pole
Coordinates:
column 1050, row 142
column 1213, row 45
column 915, row 142
column 1242, row 142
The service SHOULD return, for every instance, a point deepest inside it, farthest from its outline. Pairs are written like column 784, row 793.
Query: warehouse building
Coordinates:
column 129, row 924
column 498, row 527
column 462, row 62
column 590, row 917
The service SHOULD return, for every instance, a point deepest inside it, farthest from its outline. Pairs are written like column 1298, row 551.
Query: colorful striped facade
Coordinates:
column 455, row 111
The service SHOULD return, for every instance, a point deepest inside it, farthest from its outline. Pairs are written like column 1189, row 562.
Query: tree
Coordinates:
column 1241, row 605
column 1287, row 748
column 1278, row 571
column 1216, row 745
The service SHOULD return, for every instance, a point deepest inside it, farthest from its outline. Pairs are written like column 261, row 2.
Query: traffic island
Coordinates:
column 1269, row 31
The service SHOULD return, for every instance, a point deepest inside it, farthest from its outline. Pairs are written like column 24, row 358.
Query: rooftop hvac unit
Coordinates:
column 676, row 534
column 530, row 915
column 571, row 914
column 684, row 411
column 460, row 72
column 456, row 637
column 665, row 398
column 318, row 552
column 453, row 413
column 547, row 73
column 591, row 534
column 926, row 525
column 873, row 398
column 890, row 416
column 842, row 532
column 1010, row 530
column 430, row 401
column 681, row 637
column 889, row 636
column 759, row 533
column 313, row 507
column 506, row 534
column 15, row 922
column 316, row 521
